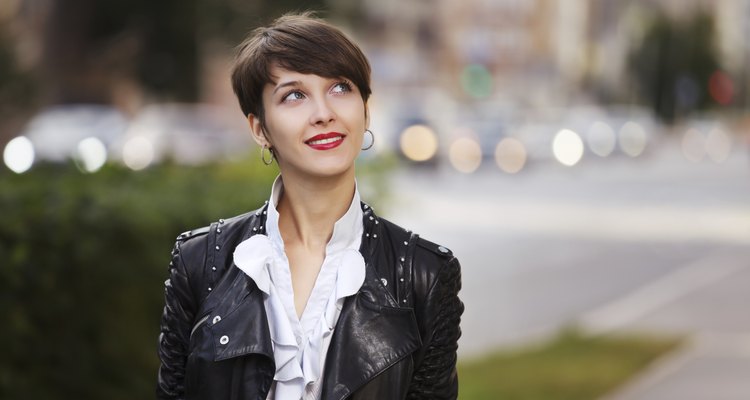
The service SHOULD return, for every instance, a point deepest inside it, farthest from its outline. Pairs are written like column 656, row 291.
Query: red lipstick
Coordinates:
column 325, row 141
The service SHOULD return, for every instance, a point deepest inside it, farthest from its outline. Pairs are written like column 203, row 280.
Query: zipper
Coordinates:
column 198, row 324
column 396, row 361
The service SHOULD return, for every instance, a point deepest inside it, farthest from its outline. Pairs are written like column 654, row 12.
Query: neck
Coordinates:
column 309, row 208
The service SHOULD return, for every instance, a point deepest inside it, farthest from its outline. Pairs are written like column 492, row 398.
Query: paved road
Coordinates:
column 658, row 244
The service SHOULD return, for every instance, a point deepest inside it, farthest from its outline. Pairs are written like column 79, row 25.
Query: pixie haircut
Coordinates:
column 299, row 43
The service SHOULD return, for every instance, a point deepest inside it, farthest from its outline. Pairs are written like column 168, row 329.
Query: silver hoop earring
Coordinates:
column 263, row 155
column 372, row 142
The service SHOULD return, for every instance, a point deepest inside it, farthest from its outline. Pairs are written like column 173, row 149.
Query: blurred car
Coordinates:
column 472, row 133
column 706, row 138
column 602, row 131
column 536, row 130
column 186, row 133
column 637, row 129
column 57, row 131
column 412, row 121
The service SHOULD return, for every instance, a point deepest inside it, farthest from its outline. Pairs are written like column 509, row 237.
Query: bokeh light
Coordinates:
column 91, row 154
column 632, row 139
column 567, row 147
column 718, row 145
column 693, row 145
column 19, row 154
column 510, row 155
column 419, row 143
column 601, row 139
column 465, row 155
column 138, row 153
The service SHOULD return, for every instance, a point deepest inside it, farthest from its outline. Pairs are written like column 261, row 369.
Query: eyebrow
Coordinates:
column 285, row 84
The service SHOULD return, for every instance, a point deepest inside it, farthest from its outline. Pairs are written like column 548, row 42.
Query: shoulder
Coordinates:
column 201, row 256
column 222, row 225
column 431, row 249
column 424, row 247
column 195, row 246
column 187, row 244
column 436, row 263
column 192, row 236
column 428, row 259
column 434, row 280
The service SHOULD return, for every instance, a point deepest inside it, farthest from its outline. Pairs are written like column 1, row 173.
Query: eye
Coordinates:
column 341, row 87
column 292, row 96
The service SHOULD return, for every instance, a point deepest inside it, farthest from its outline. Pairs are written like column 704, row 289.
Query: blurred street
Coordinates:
column 654, row 245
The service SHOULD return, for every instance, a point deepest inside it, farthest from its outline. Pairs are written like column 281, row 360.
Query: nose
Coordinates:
column 323, row 113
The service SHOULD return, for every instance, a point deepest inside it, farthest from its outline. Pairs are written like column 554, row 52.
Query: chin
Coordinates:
column 332, row 170
column 332, row 165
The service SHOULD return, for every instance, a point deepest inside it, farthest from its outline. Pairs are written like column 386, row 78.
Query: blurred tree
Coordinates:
column 89, row 45
column 231, row 20
column 17, row 88
column 673, row 64
column 84, row 262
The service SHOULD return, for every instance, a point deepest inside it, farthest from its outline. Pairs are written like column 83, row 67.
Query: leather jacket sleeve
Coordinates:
column 435, row 375
column 176, row 323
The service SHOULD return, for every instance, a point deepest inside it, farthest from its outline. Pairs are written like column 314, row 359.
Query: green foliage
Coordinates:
column 673, row 64
column 372, row 181
column 572, row 366
column 84, row 258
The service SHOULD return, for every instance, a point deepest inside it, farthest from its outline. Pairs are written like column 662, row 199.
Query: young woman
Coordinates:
column 312, row 296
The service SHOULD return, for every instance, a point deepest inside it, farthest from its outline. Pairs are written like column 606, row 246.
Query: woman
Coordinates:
column 312, row 296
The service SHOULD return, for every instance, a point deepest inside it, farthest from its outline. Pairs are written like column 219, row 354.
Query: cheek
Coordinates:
column 356, row 116
column 280, row 128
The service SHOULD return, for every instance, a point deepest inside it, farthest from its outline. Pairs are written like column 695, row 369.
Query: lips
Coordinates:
column 325, row 141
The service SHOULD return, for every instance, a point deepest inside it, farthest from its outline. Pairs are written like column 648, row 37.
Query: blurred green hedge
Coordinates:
column 83, row 259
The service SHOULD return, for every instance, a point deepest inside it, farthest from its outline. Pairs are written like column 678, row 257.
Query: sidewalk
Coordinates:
column 707, row 301
column 709, row 367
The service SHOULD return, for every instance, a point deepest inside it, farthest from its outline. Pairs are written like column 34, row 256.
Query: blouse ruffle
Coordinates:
column 262, row 258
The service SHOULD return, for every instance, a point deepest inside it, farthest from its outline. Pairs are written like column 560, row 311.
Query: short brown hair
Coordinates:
column 299, row 43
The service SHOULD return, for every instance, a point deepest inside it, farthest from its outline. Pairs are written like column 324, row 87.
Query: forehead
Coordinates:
column 280, row 75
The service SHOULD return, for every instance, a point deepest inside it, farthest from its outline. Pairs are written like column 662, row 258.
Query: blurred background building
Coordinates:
column 481, row 69
column 539, row 52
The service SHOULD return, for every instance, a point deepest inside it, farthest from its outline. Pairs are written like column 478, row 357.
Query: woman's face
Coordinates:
column 314, row 124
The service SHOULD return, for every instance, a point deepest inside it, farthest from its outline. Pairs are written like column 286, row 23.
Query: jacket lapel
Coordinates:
column 241, row 325
column 237, row 318
column 371, row 335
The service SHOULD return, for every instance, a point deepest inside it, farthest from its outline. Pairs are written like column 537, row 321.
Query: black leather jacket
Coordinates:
column 395, row 339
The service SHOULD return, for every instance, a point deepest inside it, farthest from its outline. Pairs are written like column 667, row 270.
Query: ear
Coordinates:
column 256, row 130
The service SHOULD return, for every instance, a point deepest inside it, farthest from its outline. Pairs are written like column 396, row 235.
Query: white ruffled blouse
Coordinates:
column 300, row 344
